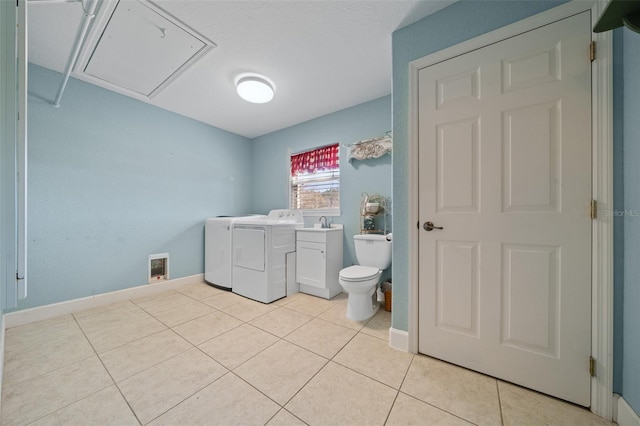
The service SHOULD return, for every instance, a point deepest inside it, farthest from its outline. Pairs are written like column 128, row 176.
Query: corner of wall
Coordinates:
column 399, row 339
column 623, row 414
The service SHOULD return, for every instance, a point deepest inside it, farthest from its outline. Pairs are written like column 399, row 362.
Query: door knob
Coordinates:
column 429, row 226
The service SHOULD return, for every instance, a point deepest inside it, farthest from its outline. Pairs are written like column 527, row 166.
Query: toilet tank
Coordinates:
column 373, row 250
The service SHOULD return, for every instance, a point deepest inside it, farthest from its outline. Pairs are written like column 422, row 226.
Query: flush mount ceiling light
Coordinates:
column 255, row 88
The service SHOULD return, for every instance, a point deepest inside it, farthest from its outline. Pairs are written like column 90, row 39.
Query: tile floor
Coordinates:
column 203, row 356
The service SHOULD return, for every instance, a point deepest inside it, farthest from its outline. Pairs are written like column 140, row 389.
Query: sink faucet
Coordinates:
column 323, row 220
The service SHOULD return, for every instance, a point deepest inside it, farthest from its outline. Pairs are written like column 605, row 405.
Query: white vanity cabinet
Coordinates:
column 319, row 261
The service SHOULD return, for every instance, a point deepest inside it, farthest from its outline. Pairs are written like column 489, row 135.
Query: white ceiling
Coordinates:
column 323, row 56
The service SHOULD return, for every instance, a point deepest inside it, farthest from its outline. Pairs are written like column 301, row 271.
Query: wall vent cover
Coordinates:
column 158, row 267
column 141, row 49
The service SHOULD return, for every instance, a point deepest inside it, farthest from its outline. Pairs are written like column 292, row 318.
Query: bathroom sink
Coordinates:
column 334, row 227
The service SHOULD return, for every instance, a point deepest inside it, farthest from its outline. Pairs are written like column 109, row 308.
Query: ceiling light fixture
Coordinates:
column 255, row 88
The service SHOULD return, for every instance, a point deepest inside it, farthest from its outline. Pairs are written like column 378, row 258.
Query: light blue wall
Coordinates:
column 113, row 180
column 630, row 327
column 270, row 189
column 459, row 22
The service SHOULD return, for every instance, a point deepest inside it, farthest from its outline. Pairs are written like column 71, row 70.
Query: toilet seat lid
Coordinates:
column 358, row 273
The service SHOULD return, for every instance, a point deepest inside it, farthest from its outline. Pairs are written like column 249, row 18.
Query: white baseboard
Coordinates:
column 27, row 316
column 399, row 339
column 623, row 414
column 1, row 353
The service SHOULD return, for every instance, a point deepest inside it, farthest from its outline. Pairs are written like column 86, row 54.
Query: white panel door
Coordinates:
column 505, row 170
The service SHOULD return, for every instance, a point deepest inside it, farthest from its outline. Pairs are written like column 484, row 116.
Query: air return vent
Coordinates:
column 158, row 267
column 141, row 49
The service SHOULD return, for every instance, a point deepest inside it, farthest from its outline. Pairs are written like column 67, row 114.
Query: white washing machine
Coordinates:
column 217, row 250
column 264, row 254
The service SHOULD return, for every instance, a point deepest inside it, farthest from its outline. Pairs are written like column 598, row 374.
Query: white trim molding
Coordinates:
column 602, row 231
column 399, row 339
column 623, row 414
column 2, row 328
column 27, row 316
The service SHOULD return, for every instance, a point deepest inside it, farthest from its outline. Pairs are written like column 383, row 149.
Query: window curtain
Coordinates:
column 325, row 158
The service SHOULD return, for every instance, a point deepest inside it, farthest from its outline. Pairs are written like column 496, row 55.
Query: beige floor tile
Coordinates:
column 247, row 310
column 374, row 358
column 186, row 311
column 337, row 314
column 296, row 296
column 160, row 303
column 310, row 305
column 238, row 345
column 129, row 359
column 201, row 329
column 464, row 393
column 523, row 407
column 125, row 304
column 339, row 396
column 35, row 398
column 29, row 336
column 106, row 407
column 154, row 296
column 222, row 300
column 48, row 379
column 408, row 411
column 285, row 418
column 148, row 393
column 41, row 347
column 228, row 401
column 281, row 321
column 199, row 291
column 116, row 327
column 321, row 337
column 280, row 370
column 340, row 298
column 378, row 326
column 288, row 299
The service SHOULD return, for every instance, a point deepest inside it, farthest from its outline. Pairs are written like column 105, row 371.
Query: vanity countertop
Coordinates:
column 336, row 227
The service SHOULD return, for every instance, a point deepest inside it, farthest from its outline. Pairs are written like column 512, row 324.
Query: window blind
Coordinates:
column 315, row 179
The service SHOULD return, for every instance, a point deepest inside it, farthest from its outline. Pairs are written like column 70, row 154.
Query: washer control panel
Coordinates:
column 286, row 215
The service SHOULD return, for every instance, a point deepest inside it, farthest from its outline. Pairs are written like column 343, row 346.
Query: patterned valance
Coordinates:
column 371, row 148
column 325, row 158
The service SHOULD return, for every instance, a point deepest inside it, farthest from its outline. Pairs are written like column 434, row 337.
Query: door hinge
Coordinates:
column 592, row 366
column 592, row 51
column 594, row 209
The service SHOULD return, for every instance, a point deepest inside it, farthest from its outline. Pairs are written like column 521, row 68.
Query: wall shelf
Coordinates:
column 370, row 222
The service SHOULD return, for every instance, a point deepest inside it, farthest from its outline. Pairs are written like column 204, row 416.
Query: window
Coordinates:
column 315, row 179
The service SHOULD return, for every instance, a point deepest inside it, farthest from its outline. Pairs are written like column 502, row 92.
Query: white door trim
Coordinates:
column 602, row 231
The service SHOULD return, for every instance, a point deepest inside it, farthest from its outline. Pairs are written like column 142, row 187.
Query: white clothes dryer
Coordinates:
column 261, row 247
column 218, row 262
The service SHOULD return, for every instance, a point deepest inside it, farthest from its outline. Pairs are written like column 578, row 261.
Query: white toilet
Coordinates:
column 360, row 281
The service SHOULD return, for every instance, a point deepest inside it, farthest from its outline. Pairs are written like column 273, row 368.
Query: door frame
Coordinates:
column 602, row 186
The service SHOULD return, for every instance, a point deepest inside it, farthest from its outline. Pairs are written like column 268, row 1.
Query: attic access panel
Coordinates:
column 142, row 49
